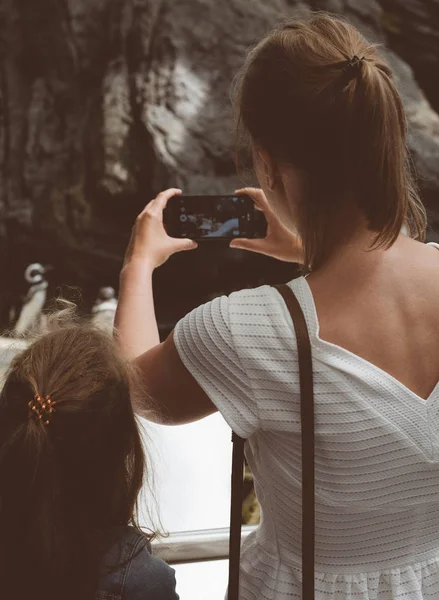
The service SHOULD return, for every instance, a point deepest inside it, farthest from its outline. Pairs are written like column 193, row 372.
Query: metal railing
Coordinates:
column 196, row 546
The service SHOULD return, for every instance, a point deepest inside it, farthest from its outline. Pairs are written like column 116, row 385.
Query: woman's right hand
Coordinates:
column 279, row 242
column 149, row 244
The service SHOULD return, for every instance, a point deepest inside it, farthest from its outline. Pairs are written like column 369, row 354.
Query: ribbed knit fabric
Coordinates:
column 377, row 453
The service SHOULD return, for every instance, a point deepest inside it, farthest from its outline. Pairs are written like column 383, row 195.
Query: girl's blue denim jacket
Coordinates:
column 138, row 576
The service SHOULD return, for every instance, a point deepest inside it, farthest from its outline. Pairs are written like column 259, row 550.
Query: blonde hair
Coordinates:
column 347, row 133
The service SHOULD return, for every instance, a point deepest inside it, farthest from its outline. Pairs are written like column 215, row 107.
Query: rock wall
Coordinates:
column 105, row 102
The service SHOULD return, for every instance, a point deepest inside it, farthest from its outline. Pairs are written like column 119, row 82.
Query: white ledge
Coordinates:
column 196, row 546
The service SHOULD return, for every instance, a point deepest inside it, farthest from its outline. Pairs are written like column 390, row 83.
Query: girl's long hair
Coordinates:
column 65, row 486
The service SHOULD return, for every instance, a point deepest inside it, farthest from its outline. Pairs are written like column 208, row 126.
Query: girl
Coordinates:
column 327, row 132
column 71, row 468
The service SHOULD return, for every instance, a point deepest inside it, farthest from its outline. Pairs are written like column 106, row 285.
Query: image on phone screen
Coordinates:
column 213, row 217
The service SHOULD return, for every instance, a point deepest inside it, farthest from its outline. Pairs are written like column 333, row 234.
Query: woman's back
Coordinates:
column 385, row 312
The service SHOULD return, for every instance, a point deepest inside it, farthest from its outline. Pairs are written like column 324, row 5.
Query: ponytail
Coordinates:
column 33, row 525
column 381, row 168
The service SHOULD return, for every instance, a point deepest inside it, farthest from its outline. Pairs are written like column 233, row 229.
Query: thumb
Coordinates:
column 247, row 244
column 185, row 244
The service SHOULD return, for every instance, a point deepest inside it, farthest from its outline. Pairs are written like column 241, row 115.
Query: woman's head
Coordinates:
column 328, row 134
column 73, row 474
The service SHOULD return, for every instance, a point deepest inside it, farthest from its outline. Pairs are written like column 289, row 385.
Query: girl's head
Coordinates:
column 328, row 135
column 72, row 476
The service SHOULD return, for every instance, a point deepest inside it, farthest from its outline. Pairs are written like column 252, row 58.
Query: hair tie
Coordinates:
column 353, row 66
column 41, row 408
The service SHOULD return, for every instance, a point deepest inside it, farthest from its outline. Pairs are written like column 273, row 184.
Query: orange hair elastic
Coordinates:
column 41, row 408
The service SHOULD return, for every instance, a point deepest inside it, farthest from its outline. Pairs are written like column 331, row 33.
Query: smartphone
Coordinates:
column 213, row 218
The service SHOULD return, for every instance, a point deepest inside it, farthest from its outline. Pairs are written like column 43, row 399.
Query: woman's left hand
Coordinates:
column 279, row 242
column 150, row 245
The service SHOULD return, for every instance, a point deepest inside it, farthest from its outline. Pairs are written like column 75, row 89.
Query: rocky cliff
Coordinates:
column 105, row 102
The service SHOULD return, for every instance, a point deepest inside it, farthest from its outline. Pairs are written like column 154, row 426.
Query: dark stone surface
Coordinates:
column 105, row 102
column 412, row 29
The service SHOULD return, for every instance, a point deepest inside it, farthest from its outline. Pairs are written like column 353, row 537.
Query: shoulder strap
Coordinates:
column 236, row 516
column 307, row 430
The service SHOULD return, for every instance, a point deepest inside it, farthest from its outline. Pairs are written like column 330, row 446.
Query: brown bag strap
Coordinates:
column 307, row 431
column 236, row 516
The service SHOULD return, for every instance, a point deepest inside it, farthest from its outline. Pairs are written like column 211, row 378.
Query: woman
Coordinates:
column 71, row 468
column 328, row 137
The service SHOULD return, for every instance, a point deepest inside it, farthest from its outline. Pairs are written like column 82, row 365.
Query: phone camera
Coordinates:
column 183, row 218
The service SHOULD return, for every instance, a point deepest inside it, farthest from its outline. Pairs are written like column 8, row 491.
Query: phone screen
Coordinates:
column 213, row 217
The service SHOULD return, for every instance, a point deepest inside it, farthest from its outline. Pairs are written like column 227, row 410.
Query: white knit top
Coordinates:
column 377, row 453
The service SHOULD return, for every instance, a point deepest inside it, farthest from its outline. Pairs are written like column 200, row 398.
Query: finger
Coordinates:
column 161, row 200
column 259, row 198
column 247, row 192
column 247, row 244
column 255, row 193
column 186, row 244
